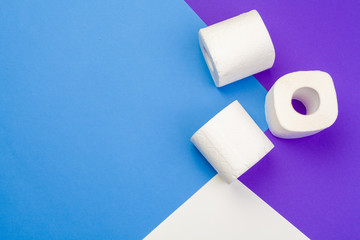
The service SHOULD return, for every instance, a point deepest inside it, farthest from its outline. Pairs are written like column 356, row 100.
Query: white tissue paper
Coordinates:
column 237, row 48
column 225, row 211
column 315, row 89
column 232, row 142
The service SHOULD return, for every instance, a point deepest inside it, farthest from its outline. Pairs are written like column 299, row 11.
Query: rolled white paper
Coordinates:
column 232, row 142
column 315, row 89
column 237, row 48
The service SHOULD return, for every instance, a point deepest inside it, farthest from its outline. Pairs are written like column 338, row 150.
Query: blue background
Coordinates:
column 98, row 101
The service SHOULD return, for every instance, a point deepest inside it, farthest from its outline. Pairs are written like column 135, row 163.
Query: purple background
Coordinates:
column 314, row 182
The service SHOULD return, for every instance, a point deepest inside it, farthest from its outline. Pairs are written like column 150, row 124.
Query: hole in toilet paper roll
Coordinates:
column 298, row 106
column 306, row 100
column 208, row 60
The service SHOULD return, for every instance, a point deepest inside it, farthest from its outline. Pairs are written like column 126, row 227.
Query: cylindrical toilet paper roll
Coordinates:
column 232, row 142
column 237, row 48
column 315, row 89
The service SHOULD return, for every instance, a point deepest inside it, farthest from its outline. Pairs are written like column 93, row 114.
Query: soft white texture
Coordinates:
column 232, row 142
column 225, row 211
column 315, row 89
column 237, row 48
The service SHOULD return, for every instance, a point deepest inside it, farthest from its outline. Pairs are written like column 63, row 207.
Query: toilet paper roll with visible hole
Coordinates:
column 315, row 89
column 237, row 48
column 232, row 142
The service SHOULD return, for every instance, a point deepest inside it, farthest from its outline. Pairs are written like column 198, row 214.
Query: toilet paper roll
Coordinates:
column 315, row 89
column 232, row 142
column 237, row 48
